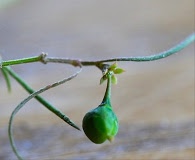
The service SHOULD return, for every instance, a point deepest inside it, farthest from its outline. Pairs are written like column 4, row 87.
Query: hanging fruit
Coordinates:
column 101, row 124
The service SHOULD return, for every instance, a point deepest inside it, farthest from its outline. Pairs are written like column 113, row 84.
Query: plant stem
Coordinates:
column 39, row 58
column 76, row 62
column 40, row 99
column 107, row 94
column 164, row 54
column 157, row 56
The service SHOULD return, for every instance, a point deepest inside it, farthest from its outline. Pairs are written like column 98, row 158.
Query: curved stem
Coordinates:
column 107, row 95
column 76, row 62
column 10, row 132
column 157, row 56
column 40, row 99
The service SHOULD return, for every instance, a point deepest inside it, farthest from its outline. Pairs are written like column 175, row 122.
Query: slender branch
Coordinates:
column 190, row 39
column 107, row 94
column 39, row 98
column 39, row 58
column 75, row 62
column 10, row 132
column 160, row 55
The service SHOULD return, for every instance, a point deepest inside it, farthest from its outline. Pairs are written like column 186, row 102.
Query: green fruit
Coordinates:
column 101, row 124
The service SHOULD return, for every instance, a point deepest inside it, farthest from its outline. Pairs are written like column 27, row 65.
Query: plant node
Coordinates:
column 43, row 57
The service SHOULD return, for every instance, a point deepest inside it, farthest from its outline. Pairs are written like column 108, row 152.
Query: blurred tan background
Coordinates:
column 154, row 101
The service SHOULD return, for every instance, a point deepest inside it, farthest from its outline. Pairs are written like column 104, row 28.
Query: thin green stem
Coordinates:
column 39, row 58
column 34, row 94
column 75, row 62
column 39, row 98
column 107, row 95
column 190, row 39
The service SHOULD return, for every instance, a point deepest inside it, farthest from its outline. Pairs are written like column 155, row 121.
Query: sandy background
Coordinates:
column 154, row 101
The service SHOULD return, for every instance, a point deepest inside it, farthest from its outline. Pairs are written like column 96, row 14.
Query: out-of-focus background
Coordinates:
column 154, row 101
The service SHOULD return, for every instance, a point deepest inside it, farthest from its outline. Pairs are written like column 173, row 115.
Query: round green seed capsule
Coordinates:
column 100, row 124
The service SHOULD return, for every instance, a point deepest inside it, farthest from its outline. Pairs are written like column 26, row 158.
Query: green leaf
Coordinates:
column 118, row 71
column 114, row 79
column 113, row 66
